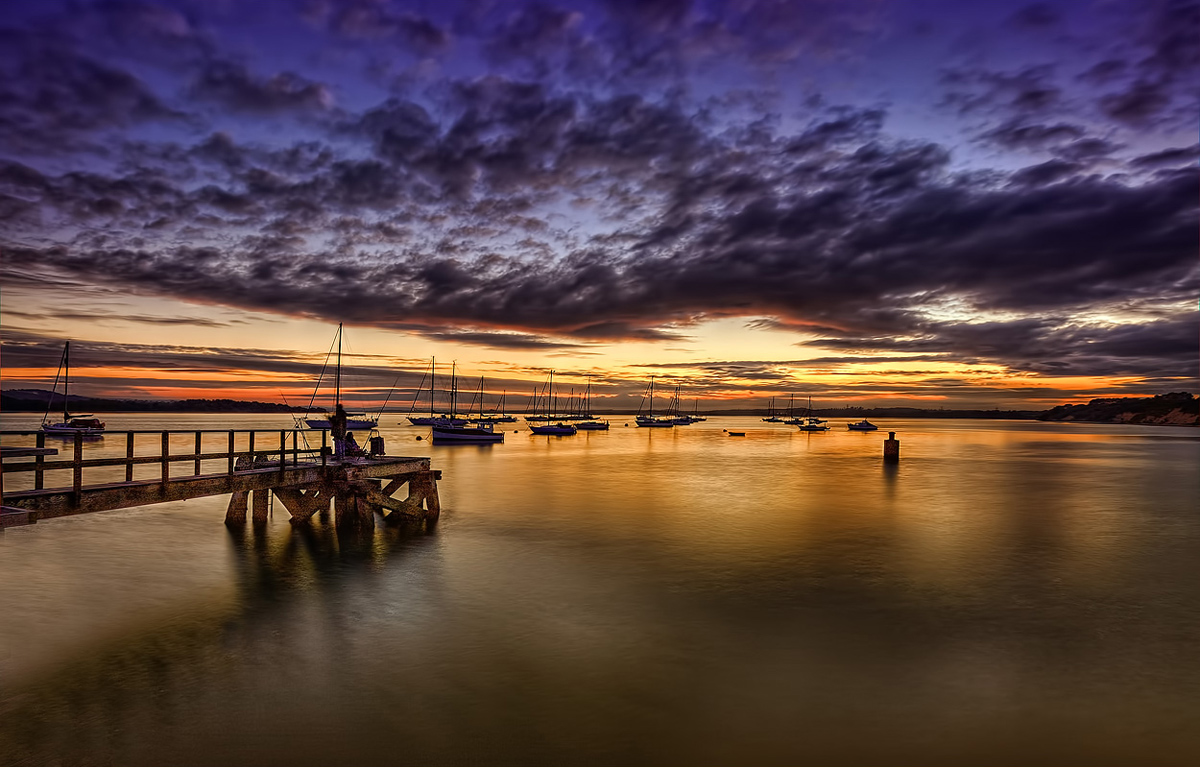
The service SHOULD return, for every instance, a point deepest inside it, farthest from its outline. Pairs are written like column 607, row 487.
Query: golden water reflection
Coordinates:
column 1007, row 592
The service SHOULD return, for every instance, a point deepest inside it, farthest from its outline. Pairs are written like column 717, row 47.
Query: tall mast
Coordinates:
column 432, row 373
column 651, row 396
column 66, row 377
column 551, row 405
column 337, row 376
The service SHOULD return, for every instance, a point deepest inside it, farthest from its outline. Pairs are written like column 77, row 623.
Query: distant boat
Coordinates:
column 591, row 423
column 498, row 415
column 354, row 421
column 734, row 433
column 793, row 419
column 83, row 424
column 480, row 432
column 559, row 429
column 649, row 420
column 443, row 419
column 771, row 417
column 810, row 422
column 673, row 411
column 863, row 425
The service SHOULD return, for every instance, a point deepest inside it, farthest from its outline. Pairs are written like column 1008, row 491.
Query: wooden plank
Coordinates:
column 128, row 456
column 28, row 452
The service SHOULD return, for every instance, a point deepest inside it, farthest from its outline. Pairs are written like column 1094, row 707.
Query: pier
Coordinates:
column 255, row 468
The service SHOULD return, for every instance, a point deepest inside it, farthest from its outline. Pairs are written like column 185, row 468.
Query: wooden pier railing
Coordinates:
column 257, row 448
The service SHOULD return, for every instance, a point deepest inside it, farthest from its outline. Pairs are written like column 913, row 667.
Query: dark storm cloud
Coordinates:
column 1168, row 158
column 492, row 340
column 378, row 19
column 1028, row 91
column 884, row 225
column 1017, row 135
column 233, row 86
column 94, row 315
column 53, row 95
column 1054, row 347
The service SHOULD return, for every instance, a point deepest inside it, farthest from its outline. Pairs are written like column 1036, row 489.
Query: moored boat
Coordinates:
column 554, row 429
column 649, row 420
column 479, row 433
column 84, row 424
column 558, row 429
column 863, row 425
column 810, row 422
column 354, row 421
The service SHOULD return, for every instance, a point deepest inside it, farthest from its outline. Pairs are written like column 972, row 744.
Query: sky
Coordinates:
column 922, row 203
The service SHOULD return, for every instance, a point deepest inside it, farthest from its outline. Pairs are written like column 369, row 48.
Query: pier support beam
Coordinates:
column 262, row 499
column 303, row 503
column 235, row 513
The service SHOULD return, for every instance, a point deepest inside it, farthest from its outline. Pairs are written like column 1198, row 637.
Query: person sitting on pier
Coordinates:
column 352, row 447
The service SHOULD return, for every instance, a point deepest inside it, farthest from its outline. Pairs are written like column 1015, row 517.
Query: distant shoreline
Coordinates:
column 1176, row 409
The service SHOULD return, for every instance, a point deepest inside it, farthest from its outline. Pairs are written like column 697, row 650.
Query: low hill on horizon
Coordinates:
column 1174, row 409
column 35, row 401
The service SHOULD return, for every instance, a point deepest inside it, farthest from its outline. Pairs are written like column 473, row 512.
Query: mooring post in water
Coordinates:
column 891, row 448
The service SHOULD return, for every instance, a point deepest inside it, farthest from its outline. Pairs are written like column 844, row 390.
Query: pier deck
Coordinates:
column 304, row 480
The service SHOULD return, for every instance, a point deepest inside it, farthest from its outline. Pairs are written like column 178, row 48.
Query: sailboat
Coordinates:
column 592, row 423
column 480, row 432
column 354, row 421
column 445, row 419
column 648, row 419
column 771, row 417
column 498, row 415
column 695, row 416
column 674, row 411
column 70, row 424
column 559, row 429
column 793, row 419
column 810, row 422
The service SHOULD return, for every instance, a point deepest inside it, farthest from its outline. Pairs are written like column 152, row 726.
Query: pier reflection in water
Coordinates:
column 1007, row 593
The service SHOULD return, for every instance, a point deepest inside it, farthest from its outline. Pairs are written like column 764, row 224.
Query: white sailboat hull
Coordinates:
column 352, row 424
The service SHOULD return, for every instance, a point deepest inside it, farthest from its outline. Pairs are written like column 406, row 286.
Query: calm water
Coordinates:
column 1012, row 592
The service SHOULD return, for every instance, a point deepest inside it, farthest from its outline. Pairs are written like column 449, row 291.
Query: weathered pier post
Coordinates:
column 235, row 513
column 891, row 448
column 262, row 497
